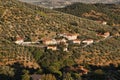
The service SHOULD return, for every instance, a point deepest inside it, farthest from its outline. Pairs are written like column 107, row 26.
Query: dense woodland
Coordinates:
column 17, row 62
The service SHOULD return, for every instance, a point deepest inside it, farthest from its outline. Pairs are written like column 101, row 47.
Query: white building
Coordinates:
column 61, row 41
column 69, row 36
column 76, row 41
column 49, row 41
column 52, row 48
column 104, row 23
column 88, row 41
column 19, row 40
column 65, row 49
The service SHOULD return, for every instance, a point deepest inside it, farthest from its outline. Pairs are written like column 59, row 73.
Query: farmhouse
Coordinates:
column 19, row 40
column 52, row 48
column 61, row 41
column 65, row 49
column 104, row 22
column 105, row 35
column 76, row 41
column 88, row 41
column 49, row 41
column 70, row 36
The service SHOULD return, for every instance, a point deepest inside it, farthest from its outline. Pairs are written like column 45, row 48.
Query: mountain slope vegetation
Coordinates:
column 103, row 12
column 34, row 23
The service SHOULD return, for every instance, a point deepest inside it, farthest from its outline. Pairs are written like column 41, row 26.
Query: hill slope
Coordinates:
column 35, row 23
column 105, row 12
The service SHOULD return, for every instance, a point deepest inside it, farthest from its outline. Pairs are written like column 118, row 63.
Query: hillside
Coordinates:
column 35, row 24
column 63, row 3
column 97, row 12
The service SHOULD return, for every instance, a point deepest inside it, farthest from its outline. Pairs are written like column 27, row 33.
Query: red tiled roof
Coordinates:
column 19, row 38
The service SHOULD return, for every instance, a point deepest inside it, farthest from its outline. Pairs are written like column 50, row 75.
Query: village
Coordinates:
column 64, row 39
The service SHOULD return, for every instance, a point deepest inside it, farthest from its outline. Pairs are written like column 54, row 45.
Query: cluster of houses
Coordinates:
column 65, row 39
column 52, row 43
